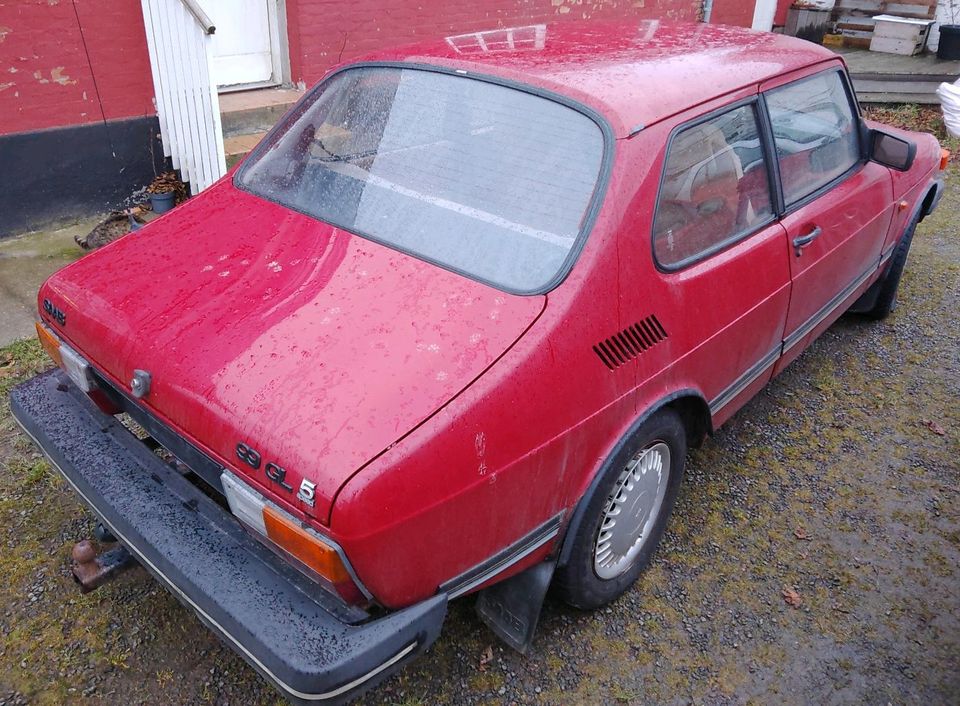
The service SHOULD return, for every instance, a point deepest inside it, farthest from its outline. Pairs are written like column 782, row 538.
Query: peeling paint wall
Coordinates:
column 740, row 12
column 72, row 62
column 323, row 32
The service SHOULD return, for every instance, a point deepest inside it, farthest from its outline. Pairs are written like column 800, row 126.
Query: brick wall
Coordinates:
column 322, row 32
column 75, row 62
column 72, row 62
column 740, row 12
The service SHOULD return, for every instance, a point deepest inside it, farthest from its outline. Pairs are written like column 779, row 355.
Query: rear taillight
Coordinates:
column 63, row 355
column 50, row 343
column 76, row 368
column 944, row 159
column 316, row 556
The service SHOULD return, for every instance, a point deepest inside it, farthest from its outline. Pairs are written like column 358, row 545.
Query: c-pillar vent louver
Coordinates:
column 626, row 345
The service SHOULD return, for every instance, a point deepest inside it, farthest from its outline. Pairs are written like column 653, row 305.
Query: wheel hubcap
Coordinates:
column 631, row 511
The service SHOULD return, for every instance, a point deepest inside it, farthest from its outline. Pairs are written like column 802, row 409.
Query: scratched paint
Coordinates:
column 480, row 444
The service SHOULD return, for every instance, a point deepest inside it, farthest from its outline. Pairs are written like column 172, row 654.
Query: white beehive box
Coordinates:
column 899, row 35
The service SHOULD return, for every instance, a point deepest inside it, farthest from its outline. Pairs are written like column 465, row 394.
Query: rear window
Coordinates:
column 491, row 181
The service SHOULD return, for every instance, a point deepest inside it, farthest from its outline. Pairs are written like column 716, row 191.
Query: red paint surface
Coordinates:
column 302, row 312
column 641, row 73
column 72, row 62
column 328, row 364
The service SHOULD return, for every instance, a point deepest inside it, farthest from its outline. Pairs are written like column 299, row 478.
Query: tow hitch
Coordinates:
column 93, row 568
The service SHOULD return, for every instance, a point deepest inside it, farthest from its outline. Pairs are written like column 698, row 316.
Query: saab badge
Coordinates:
column 54, row 312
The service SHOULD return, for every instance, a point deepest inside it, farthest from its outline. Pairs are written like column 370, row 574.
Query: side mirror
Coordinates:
column 891, row 151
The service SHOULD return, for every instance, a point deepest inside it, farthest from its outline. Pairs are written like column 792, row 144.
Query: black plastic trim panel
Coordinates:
column 502, row 560
column 198, row 462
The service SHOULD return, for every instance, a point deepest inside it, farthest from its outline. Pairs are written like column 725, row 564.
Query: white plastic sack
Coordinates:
column 949, row 95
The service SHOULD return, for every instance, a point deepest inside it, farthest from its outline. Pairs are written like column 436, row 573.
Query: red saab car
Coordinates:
column 454, row 324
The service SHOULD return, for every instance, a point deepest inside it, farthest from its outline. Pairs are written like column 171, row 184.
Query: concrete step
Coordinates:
column 247, row 112
column 895, row 86
column 896, row 90
column 921, row 98
column 237, row 147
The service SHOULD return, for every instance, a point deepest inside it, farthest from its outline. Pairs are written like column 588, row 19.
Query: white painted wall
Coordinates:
column 948, row 13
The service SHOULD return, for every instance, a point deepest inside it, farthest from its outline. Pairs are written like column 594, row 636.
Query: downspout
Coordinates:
column 707, row 10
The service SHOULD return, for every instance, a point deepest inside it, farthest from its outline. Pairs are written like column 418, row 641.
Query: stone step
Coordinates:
column 237, row 147
column 248, row 112
column 881, row 97
column 896, row 90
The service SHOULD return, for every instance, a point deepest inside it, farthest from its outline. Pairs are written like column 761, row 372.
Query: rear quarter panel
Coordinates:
column 506, row 455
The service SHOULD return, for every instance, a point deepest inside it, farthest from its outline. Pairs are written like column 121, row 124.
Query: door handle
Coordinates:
column 802, row 241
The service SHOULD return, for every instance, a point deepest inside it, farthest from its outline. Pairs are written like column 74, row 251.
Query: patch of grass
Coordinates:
column 910, row 116
column 19, row 361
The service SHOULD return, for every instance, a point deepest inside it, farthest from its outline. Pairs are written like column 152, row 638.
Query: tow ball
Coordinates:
column 92, row 567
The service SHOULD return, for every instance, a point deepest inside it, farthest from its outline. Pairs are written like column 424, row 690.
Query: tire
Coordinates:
column 599, row 571
column 880, row 300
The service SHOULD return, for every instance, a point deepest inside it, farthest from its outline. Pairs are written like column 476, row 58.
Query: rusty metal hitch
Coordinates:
column 93, row 568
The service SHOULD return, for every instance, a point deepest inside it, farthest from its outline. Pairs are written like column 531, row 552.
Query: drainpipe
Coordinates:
column 707, row 10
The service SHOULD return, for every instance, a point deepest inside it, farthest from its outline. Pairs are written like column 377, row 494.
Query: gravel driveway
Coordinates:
column 838, row 488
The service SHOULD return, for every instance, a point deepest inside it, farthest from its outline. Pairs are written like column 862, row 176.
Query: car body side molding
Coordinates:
column 502, row 560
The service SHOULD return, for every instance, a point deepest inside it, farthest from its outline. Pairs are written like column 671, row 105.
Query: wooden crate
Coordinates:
column 899, row 35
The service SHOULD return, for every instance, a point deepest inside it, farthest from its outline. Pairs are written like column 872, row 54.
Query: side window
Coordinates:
column 715, row 187
column 815, row 131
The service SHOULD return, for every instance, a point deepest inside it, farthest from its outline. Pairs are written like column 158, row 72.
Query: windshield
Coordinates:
column 481, row 178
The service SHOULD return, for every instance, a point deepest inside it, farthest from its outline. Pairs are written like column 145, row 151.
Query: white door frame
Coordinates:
column 763, row 13
column 279, row 50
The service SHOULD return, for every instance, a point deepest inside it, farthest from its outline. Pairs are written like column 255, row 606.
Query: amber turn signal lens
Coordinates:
column 304, row 546
column 944, row 159
column 50, row 344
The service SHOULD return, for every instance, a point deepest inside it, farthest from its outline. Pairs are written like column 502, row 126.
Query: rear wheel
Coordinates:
column 626, row 515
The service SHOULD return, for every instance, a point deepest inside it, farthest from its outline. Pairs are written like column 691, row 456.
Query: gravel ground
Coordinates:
column 838, row 486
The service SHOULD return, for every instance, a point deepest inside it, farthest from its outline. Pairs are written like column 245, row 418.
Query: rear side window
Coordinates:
column 715, row 188
column 815, row 130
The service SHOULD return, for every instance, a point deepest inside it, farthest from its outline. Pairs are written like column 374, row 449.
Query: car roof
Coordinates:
column 634, row 73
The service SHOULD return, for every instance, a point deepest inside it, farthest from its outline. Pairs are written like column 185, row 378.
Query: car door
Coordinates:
column 719, row 252
column 837, row 205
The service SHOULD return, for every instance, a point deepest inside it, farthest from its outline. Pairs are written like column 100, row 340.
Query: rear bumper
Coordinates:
column 307, row 643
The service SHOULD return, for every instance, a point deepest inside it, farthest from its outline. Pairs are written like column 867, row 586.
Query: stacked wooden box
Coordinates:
column 899, row 35
column 855, row 18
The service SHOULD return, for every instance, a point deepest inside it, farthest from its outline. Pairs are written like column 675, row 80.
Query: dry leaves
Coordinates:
column 791, row 597
column 933, row 426
column 801, row 533
column 486, row 658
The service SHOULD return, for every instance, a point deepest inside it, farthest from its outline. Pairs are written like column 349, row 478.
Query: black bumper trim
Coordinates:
column 195, row 459
column 285, row 627
column 502, row 560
